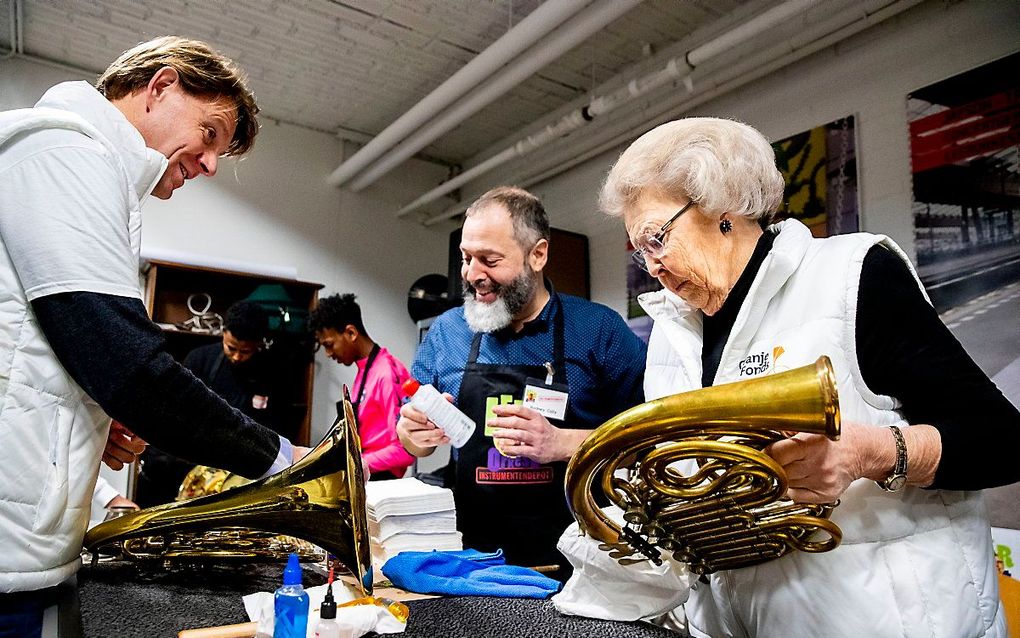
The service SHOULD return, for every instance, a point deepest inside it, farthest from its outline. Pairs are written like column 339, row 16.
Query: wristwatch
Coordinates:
column 898, row 479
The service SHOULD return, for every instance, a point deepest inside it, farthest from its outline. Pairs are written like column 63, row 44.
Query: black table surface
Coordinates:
column 124, row 599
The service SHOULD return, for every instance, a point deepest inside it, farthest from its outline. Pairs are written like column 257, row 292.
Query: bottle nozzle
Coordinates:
column 410, row 386
column 328, row 607
column 292, row 572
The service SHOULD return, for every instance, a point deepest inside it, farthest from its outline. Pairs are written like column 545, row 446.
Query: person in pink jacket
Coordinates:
column 376, row 395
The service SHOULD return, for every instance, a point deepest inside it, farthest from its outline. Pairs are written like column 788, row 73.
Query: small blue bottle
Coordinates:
column 291, row 603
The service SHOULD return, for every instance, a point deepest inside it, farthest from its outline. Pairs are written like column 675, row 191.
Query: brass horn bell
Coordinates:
column 722, row 507
column 320, row 499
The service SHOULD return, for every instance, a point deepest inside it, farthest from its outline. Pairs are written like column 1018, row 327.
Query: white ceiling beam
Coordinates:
column 573, row 33
column 537, row 25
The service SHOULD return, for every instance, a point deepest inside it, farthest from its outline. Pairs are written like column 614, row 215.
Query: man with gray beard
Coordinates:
column 536, row 370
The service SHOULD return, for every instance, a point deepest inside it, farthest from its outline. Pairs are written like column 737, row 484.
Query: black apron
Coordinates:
column 511, row 503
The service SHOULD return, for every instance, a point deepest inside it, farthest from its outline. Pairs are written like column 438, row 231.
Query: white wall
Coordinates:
column 274, row 207
column 22, row 82
column 868, row 76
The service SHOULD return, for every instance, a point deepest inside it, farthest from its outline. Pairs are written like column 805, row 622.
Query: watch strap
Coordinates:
column 895, row 481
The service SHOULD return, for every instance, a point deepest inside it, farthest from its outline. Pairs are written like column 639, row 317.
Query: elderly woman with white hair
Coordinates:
column 743, row 298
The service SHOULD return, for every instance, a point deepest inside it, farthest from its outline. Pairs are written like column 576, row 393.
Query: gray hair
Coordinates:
column 724, row 165
column 531, row 223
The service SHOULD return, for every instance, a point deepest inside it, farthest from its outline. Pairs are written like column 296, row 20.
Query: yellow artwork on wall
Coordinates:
column 801, row 160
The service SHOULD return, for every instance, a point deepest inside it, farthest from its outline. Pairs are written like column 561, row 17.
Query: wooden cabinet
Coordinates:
column 168, row 286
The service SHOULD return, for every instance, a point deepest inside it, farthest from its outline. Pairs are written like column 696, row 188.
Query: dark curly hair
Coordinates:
column 336, row 312
column 247, row 321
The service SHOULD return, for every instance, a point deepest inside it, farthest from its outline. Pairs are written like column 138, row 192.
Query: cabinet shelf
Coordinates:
column 169, row 328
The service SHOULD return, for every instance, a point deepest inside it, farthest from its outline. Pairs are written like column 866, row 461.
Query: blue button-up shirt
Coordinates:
column 605, row 361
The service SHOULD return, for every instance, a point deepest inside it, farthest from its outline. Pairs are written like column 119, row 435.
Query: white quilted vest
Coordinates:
column 51, row 433
column 915, row 563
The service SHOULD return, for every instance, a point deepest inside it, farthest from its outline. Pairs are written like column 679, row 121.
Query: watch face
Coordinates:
column 896, row 483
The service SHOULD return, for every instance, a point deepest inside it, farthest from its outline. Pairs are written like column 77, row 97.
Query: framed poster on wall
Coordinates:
column 964, row 145
column 819, row 167
column 965, row 167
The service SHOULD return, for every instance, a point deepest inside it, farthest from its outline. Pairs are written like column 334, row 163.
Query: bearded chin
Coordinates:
column 510, row 299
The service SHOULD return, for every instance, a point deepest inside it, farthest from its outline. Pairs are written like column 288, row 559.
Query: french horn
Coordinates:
column 690, row 475
column 320, row 499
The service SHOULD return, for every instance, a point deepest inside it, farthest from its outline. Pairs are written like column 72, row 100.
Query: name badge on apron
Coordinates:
column 259, row 402
column 547, row 398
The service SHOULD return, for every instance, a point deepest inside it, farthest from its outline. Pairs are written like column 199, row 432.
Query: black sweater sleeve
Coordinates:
column 905, row 351
column 117, row 355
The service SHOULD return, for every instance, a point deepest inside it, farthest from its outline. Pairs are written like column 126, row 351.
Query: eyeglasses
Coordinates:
column 651, row 245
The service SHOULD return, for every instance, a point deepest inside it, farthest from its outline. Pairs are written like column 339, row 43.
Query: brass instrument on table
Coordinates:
column 203, row 480
column 320, row 499
column 727, row 511
column 226, row 544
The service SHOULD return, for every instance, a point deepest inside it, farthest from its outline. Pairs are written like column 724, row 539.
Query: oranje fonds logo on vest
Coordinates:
column 760, row 363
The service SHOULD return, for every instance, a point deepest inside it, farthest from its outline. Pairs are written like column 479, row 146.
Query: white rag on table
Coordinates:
column 353, row 621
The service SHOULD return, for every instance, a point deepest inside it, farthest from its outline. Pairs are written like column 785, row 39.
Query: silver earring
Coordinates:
column 725, row 226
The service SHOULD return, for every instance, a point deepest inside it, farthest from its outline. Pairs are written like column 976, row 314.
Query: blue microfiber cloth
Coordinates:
column 489, row 559
column 466, row 573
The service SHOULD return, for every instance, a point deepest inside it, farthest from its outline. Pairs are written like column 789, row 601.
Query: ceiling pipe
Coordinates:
column 738, row 77
column 717, row 83
column 537, row 25
column 675, row 69
column 579, row 29
column 21, row 26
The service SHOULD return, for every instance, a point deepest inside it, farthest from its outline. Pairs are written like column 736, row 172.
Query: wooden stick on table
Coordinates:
column 243, row 630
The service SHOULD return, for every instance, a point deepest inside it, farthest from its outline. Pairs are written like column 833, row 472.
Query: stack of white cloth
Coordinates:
column 406, row 515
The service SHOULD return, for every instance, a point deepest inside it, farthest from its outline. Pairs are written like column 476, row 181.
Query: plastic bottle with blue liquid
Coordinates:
column 291, row 603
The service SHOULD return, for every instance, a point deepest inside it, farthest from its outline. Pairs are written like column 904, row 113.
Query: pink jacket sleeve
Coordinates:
column 378, row 414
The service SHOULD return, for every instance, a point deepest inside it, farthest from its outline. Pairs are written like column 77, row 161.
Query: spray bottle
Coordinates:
column 291, row 603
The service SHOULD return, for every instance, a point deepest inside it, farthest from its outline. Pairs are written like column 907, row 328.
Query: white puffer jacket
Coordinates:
column 51, row 433
column 915, row 563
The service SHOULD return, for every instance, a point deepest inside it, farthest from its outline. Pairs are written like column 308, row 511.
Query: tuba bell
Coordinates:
column 319, row 499
column 722, row 506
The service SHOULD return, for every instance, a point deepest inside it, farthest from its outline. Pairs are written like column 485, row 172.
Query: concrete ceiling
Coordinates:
column 352, row 67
